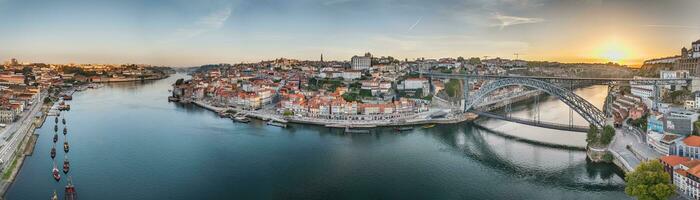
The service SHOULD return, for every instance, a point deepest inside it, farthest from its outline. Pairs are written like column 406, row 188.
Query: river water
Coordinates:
column 128, row 142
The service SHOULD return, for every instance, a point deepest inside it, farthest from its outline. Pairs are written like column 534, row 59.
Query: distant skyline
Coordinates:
column 190, row 33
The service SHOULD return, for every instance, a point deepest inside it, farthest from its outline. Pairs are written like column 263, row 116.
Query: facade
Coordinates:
column 690, row 59
column 671, row 162
column 688, row 147
column 662, row 143
column 7, row 116
column 680, row 121
column 642, row 91
column 361, row 62
column 685, row 177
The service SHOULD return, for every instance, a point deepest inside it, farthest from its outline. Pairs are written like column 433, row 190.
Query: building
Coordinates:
column 686, row 178
column 680, row 121
column 655, row 122
column 417, row 84
column 662, row 143
column 671, row 162
column 688, row 147
column 642, row 91
column 675, row 74
column 690, row 59
column 361, row 62
column 351, row 74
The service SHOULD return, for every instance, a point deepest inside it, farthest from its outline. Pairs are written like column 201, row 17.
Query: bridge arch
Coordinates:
column 584, row 108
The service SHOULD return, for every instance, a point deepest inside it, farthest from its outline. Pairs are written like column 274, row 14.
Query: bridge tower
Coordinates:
column 465, row 94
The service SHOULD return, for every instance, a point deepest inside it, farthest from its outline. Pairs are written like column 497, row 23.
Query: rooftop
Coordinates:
column 692, row 141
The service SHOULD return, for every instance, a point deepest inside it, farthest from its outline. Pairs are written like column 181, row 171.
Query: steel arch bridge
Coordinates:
column 584, row 108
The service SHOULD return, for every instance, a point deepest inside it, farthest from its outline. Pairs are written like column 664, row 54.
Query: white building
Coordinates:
column 417, row 83
column 361, row 62
column 642, row 91
column 351, row 74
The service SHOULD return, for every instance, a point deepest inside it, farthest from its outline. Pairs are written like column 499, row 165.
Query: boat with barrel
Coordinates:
column 55, row 173
column 66, row 165
column 53, row 151
column 70, row 193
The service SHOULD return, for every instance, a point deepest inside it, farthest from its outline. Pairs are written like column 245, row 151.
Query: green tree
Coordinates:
column 649, row 181
column 453, row 88
column 474, row 61
column 592, row 135
column 608, row 134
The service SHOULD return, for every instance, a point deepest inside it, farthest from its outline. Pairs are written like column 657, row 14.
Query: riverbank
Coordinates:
column 24, row 149
column 115, row 80
column 418, row 119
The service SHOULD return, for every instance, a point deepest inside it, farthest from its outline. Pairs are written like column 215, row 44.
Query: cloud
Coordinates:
column 213, row 21
column 415, row 24
column 671, row 26
column 506, row 21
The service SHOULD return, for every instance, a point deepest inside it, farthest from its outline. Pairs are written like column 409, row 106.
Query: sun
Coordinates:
column 613, row 52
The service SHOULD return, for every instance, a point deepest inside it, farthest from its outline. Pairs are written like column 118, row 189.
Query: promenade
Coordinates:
column 404, row 120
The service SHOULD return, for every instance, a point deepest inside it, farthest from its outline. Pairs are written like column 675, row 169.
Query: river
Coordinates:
column 128, row 142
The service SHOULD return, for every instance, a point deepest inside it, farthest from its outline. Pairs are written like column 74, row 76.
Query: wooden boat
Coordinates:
column 348, row 130
column 429, row 126
column 278, row 124
column 404, row 128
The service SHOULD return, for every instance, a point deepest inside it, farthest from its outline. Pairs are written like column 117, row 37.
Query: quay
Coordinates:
column 422, row 120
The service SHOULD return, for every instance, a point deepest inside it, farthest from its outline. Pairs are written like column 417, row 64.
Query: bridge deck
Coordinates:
column 549, row 125
column 642, row 81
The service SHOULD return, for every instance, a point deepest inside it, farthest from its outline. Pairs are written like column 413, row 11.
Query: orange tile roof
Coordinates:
column 692, row 141
column 673, row 160
column 693, row 167
column 681, row 172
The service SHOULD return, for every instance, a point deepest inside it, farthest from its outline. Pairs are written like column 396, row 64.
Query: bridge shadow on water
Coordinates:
column 480, row 144
column 547, row 165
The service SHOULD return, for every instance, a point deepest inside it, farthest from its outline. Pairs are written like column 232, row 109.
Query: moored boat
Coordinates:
column 173, row 99
column 56, row 119
column 54, row 196
column 348, row 130
column 53, row 151
column 429, row 126
column 241, row 119
column 55, row 138
column 64, row 121
column 405, row 128
column 65, row 147
column 278, row 124
column 66, row 165
column 55, row 173
column 55, row 128
column 70, row 194
column 65, row 130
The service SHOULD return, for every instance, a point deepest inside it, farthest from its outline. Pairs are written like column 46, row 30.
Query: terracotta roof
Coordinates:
column 673, row 160
column 681, row 172
column 693, row 167
column 692, row 141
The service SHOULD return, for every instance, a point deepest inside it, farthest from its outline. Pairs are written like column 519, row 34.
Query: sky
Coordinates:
column 195, row 32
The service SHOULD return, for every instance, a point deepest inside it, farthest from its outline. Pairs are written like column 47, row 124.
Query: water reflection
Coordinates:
column 539, row 164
